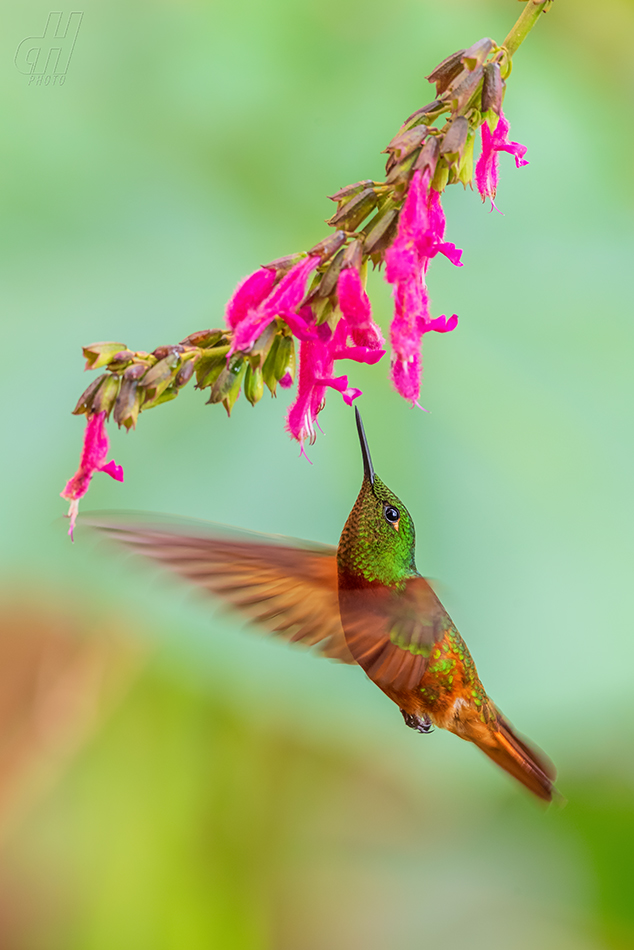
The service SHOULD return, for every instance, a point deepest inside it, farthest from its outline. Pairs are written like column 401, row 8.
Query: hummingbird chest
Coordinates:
column 450, row 680
column 412, row 652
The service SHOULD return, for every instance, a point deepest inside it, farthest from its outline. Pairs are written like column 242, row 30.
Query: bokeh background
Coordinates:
column 170, row 780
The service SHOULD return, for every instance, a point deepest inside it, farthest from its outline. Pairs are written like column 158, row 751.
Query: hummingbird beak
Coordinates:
column 365, row 451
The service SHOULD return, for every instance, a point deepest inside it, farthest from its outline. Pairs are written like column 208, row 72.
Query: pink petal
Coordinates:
column 451, row 252
column 249, row 330
column 93, row 459
column 436, row 215
column 414, row 219
column 340, row 383
column 289, row 292
column 349, row 395
column 411, row 312
column 300, row 323
column 115, row 471
column 368, row 338
column 406, row 377
column 486, row 171
column 283, row 301
column 354, row 304
column 353, row 300
column 360, row 354
column 302, row 413
column 249, row 295
column 401, row 259
column 442, row 324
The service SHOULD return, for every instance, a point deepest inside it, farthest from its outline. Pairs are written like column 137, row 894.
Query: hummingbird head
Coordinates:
column 377, row 542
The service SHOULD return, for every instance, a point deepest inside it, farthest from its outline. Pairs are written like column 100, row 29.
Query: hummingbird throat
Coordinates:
column 375, row 547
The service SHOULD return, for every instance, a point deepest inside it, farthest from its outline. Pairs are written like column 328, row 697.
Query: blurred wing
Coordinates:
column 287, row 586
column 391, row 633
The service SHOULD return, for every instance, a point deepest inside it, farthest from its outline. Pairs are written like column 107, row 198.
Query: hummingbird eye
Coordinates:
column 391, row 514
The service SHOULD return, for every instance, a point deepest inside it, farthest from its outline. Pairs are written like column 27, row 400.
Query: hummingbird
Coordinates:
column 362, row 603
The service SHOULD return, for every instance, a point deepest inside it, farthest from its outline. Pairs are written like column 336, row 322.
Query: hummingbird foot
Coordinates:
column 423, row 724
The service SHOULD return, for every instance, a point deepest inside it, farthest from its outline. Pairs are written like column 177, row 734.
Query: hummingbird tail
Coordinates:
column 525, row 763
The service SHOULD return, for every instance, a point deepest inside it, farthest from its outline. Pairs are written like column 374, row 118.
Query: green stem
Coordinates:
column 525, row 23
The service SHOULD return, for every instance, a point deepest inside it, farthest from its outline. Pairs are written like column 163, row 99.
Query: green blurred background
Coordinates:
column 170, row 780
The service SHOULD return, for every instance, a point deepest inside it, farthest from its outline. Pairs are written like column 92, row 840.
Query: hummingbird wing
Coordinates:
column 392, row 633
column 287, row 586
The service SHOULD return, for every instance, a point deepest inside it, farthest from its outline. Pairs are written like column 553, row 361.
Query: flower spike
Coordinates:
column 316, row 301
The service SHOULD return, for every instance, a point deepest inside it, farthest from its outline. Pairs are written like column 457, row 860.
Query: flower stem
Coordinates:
column 525, row 23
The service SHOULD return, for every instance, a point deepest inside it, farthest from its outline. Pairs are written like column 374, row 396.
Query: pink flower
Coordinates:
column 316, row 362
column 421, row 228
column 419, row 238
column 249, row 295
column 486, row 171
column 354, row 304
column 411, row 321
column 437, row 228
column 93, row 459
column 282, row 301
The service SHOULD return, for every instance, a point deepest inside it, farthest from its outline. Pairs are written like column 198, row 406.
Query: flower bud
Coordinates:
column 268, row 369
column 282, row 265
column 166, row 396
column 322, row 308
column 135, row 371
column 226, row 379
column 344, row 194
column 104, row 399
column 354, row 211
column 441, row 177
column 261, row 347
column 465, row 169
column 85, row 400
column 210, row 364
column 462, row 91
column 492, row 88
column 126, row 408
column 284, row 368
column 100, row 354
column 477, row 54
column 329, row 246
column 328, row 280
column 203, row 338
column 423, row 115
column 230, row 398
column 404, row 144
column 353, row 255
column 253, row 384
column 428, row 155
column 185, row 373
column 380, row 231
column 446, row 71
column 162, row 351
column 454, row 140
column 400, row 173
column 162, row 370
column 121, row 359
column 159, row 377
